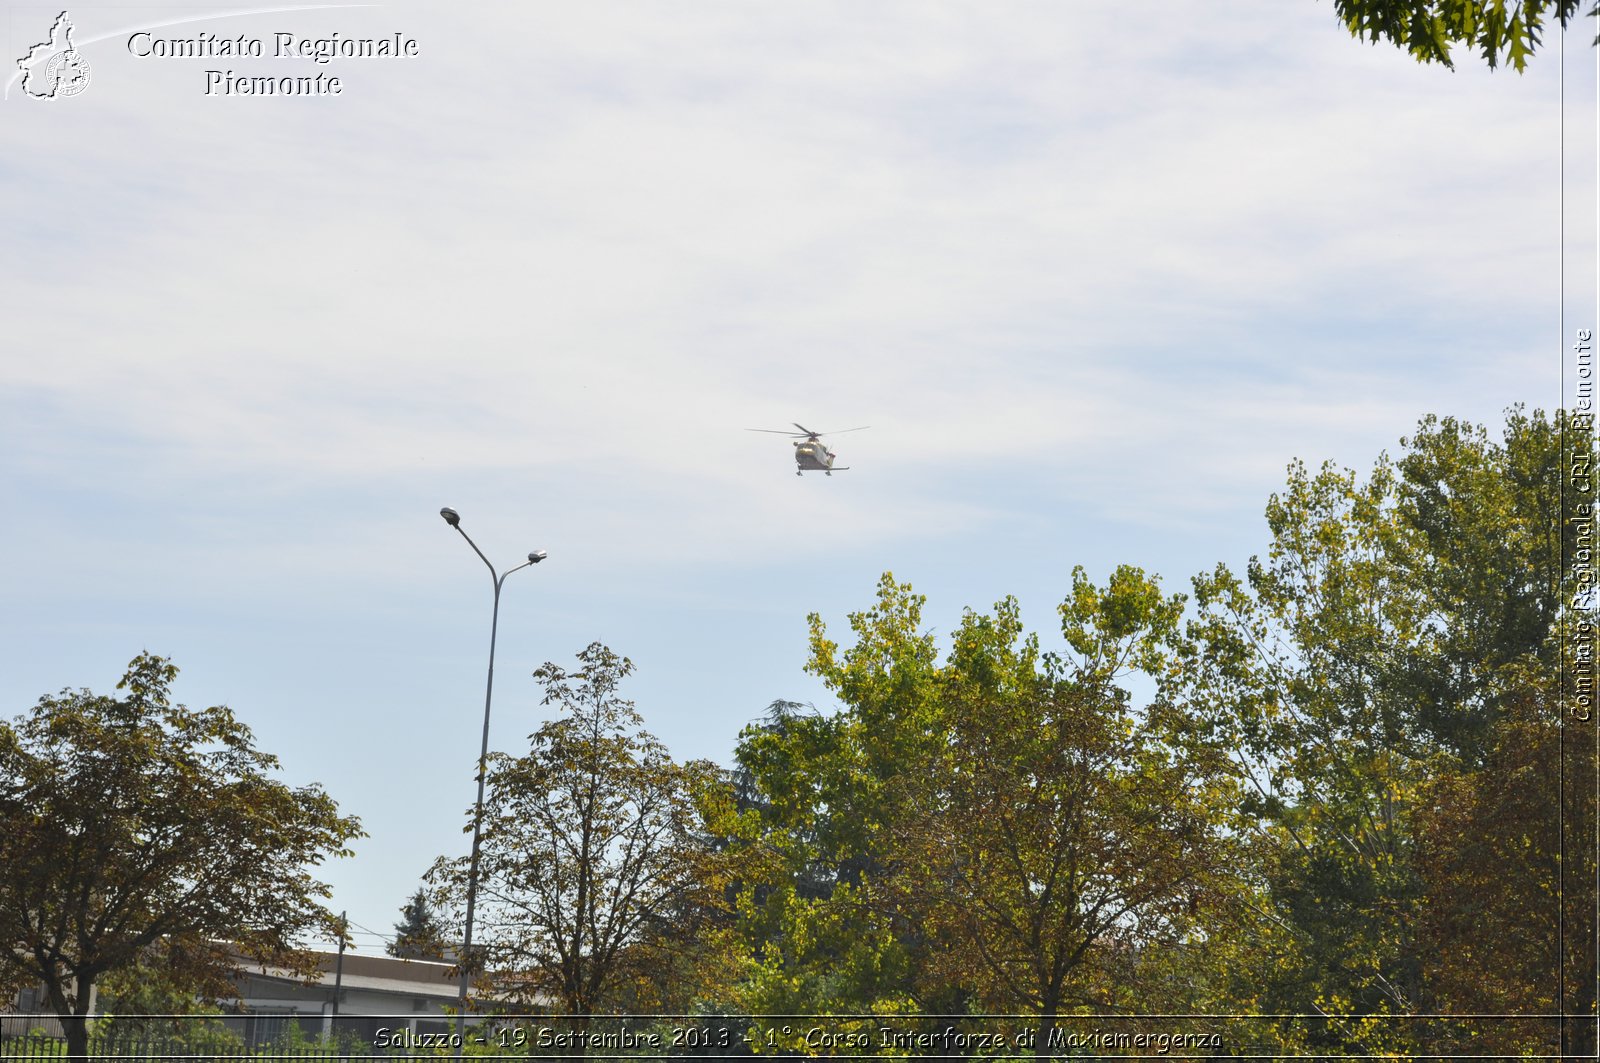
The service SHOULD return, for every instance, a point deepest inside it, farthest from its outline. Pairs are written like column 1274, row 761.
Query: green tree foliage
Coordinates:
column 1489, row 853
column 592, row 849
column 1498, row 30
column 1374, row 672
column 1003, row 830
column 1063, row 837
column 146, row 1010
column 816, row 814
column 138, row 831
column 418, row 935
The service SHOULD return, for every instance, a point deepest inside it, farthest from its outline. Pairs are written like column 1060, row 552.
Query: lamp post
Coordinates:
column 452, row 518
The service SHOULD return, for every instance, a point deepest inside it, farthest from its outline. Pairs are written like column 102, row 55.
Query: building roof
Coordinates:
column 383, row 974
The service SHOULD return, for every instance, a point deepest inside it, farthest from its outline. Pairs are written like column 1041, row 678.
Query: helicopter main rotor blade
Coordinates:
column 808, row 433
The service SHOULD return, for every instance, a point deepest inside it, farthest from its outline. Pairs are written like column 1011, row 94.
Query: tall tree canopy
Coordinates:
column 134, row 830
column 591, row 846
column 1389, row 675
column 1002, row 831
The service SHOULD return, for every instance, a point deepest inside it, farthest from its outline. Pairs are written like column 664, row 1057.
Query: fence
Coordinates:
column 263, row 1037
column 222, row 1037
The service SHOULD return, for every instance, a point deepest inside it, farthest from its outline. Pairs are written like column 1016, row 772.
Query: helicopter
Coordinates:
column 809, row 452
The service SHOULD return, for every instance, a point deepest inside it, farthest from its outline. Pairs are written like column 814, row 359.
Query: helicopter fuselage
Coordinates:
column 812, row 456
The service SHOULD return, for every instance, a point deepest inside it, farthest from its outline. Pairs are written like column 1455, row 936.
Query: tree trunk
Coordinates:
column 76, row 1027
column 72, row 1011
column 1042, row 1048
column 580, row 1026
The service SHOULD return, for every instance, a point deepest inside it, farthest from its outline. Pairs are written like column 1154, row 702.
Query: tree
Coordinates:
column 1498, row 31
column 147, row 1010
column 1376, row 672
column 818, row 811
column 1001, row 830
column 591, row 846
column 1489, row 848
column 1064, row 834
column 138, row 831
column 417, row 936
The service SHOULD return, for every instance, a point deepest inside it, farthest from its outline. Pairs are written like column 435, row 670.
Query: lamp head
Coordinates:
column 451, row 517
column 537, row 556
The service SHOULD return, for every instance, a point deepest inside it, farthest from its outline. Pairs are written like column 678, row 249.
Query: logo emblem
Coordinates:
column 54, row 69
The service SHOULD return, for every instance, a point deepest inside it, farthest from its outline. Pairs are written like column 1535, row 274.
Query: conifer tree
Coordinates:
column 417, row 936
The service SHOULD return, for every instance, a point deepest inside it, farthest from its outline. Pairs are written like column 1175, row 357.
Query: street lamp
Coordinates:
column 452, row 518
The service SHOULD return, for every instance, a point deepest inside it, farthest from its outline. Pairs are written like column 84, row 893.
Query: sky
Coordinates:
column 1093, row 275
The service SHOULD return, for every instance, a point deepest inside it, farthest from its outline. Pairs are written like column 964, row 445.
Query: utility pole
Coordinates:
column 338, row 963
